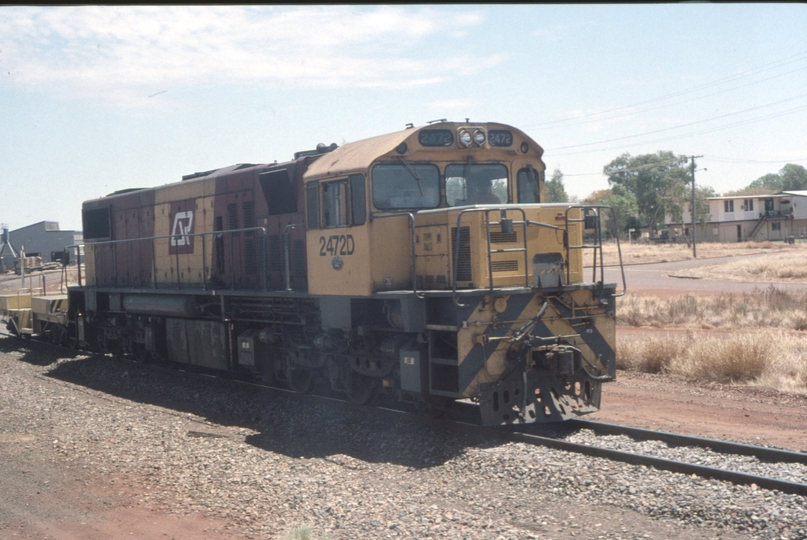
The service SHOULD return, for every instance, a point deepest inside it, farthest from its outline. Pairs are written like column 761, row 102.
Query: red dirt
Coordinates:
column 741, row 413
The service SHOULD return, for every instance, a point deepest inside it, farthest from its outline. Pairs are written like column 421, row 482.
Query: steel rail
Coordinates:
column 763, row 453
column 663, row 464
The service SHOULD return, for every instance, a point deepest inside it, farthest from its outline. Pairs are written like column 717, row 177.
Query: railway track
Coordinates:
column 718, row 448
column 562, row 436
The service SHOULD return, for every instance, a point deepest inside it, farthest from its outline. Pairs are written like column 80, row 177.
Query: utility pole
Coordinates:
column 692, row 172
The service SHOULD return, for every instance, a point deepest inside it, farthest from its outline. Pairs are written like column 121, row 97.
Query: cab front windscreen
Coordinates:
column 398, row 186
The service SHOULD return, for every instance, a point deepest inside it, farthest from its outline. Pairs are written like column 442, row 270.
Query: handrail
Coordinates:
column 488, row 223
column 596, row 246
column 525, row 224
column 169, row 236
column 503, row 209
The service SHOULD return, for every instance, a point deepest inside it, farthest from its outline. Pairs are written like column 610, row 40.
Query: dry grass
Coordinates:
column 771, row 359
column 769, row 307
column 781, row 266
column 762, row 337
column 642, row 252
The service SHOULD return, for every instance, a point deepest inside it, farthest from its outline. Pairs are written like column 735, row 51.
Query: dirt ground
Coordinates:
column 46, row 498
column 747, row 414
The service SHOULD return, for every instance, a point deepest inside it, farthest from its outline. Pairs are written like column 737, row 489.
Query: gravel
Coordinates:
column 269, row 465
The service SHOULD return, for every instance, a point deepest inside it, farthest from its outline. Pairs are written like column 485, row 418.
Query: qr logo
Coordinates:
column 183, row 226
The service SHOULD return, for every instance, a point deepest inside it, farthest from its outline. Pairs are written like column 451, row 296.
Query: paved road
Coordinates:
column 660, row 277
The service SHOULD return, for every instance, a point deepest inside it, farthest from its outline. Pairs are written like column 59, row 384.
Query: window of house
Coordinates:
column 776, row 226
column 748, row 205
column 728, row 206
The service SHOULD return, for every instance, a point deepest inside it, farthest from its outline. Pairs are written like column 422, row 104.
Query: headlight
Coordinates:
column 479, row 137
column 465, row 138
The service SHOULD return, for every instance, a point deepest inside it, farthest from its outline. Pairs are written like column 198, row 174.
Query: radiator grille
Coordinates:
column 275, row 253
column 298, row 248
column 503, row 238
column 251, row 261
column 463, row 270
column 261, row 243
column 504, row 266
column 249, row 216
column 232, row 216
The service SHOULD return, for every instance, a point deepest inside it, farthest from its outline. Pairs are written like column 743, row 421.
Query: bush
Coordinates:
column 772, row 359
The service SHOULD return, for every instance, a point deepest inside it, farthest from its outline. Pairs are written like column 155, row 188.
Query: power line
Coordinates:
column 677, row 159
column 705, row 158
column 685, row 125
column 685, row 135
column 735, row 160
column 631, row 111
column 754, row 71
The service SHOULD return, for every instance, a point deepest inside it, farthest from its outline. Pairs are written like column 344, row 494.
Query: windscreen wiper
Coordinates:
column 413, row 172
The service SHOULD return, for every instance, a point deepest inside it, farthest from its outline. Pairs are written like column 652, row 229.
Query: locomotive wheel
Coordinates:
column 140, row 353
column 117, row 348
column 12, row 328
column 300, row 380
column 57, row 335
column 266, row 371
column 267, row 377
column 361, row 388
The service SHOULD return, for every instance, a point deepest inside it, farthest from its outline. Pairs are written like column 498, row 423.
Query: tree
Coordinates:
column 623, row 203
column 657, row 181
column 555, row 192
column 790, row 178
column 749, row 191
column 794, row 177
column 702, row 214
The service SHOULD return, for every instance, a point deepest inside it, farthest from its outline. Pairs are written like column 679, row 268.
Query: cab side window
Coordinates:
column 312, row 205
column 358, row 199
column 529, row 187
column 337, row 203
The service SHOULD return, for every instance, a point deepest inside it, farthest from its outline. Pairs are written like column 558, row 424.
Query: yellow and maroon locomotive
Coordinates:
column 423, row 263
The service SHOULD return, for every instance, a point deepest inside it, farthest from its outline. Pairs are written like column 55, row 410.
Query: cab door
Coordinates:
column 337, row 237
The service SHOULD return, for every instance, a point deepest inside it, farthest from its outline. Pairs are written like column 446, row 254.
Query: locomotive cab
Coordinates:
column 427, row 209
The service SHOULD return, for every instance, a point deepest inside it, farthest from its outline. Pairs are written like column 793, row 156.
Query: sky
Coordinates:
column 94, row 99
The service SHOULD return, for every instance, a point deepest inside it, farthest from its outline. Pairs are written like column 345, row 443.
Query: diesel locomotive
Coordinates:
column 424, row 264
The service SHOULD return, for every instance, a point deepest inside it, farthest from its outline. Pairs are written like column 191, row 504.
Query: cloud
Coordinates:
column 125, row 54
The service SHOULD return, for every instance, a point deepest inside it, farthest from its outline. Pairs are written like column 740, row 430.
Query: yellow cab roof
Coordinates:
column 359, row 156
